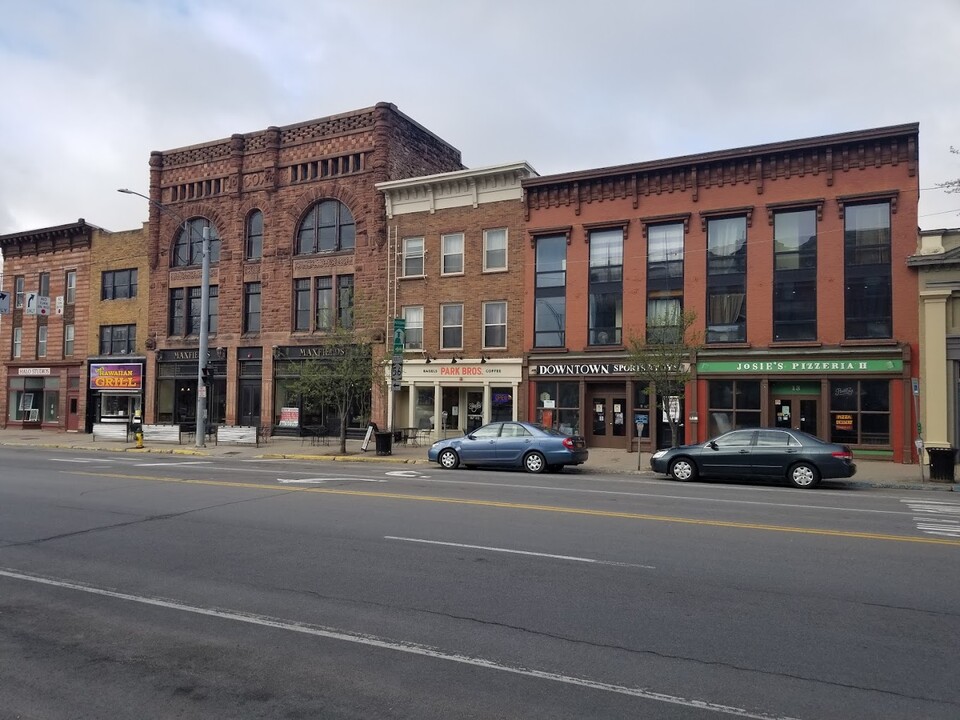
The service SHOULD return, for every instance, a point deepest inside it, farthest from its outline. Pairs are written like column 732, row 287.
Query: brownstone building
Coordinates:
column 298, row 247
column 792, row 256
column 44, row 338
column 456, row 248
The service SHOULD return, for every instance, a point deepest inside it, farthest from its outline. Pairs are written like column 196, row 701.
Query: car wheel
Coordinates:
column 683, row 469
column 803, row 475
column 448, row 459
column 534, row 463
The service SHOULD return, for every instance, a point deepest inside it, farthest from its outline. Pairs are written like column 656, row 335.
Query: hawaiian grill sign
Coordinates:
column 119, row 376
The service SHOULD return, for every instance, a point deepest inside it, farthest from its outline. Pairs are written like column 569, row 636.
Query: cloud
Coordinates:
column 93, row 87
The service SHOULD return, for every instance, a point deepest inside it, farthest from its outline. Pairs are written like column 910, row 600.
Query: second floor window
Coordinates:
column 118, row 284
column 188, row 248
column 868, row 297
column 254, row 241
column 44, row 284
column 451, row 327
column 727, row 280
column 795, row 275
column 413, row 333
column 18, row 285
column 71, row 285
column 251, row 307
column 41, row 341
column 412, row 257
column 185, row 310
column 118, row 339
column 550, row 302
column 606, row 287
column 332, row 303
column 17, row 342
column 495, row 325
column 68, row 339
column 328, row 227
column 452, row 262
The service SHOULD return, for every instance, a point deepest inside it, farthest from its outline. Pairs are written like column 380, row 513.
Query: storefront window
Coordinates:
column 558, row 406
column 423, row 412
column 34, row 400
column 860, row 412
column 501, row 404
column 733, row 404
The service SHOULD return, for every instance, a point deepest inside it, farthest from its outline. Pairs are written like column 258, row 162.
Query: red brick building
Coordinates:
column 456, row 279
column 298, row 244
column 792, row 255
column 44, row 338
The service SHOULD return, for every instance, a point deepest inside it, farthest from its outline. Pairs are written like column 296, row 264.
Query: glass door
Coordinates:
column 796, row 413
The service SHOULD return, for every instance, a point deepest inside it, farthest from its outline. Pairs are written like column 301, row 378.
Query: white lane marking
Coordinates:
column 520, row 552
column 302, row 481
column 935, row 517
column 397, row 646
column 179, row 462
column 74, row 460
column 404, row 473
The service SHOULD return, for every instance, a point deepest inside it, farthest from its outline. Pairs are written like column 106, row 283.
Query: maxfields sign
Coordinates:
column 119, row 376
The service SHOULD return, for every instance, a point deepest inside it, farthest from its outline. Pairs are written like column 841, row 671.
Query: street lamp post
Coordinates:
column 204, row 314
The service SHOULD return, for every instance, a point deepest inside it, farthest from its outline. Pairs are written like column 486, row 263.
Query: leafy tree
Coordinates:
column 951, row 186
column 341, row 380
column 663, row 358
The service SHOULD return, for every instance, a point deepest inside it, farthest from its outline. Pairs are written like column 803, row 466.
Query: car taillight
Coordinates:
column 568, row 443
column 843, row 455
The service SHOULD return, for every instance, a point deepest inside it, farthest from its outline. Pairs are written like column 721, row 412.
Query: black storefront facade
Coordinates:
column 175, row 402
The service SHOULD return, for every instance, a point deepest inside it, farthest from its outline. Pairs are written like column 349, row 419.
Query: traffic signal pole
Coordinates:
column 204, row 331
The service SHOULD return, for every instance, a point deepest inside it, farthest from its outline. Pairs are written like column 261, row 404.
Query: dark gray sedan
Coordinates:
column 800, row 458
column 533, row 447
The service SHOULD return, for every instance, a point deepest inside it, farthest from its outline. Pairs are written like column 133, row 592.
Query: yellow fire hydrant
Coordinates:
column 137, row 427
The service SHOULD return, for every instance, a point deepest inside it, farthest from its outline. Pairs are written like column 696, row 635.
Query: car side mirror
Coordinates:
column 472, row 437
column 713, row 444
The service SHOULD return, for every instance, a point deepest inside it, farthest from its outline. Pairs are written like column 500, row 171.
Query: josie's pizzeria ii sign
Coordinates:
column 119, row 376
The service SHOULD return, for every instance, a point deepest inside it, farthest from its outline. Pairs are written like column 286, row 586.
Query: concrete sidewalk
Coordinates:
column 870, row 473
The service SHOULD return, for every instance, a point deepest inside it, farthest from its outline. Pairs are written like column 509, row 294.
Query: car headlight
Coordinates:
column 659, row 454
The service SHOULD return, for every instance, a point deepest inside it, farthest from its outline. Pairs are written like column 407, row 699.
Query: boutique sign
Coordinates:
column 116, row 376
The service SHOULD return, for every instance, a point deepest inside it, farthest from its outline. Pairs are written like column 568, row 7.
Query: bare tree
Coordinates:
column 664, row 358
column 951, row 186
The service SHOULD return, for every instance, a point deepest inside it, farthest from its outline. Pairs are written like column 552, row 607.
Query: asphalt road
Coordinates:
column 168, row 587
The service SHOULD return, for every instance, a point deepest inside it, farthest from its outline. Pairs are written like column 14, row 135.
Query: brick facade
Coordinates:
column 282, row 173
column 482, row 380
column 827, row 175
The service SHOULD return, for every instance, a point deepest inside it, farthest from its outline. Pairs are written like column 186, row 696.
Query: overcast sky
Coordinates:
column 90, row 87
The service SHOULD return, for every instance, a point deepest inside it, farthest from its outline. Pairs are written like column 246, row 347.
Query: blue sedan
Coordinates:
column 533, row 447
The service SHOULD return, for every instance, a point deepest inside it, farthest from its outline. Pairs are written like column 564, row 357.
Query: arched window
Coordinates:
column 188, row 249
column 328, row 227
column 254, row 242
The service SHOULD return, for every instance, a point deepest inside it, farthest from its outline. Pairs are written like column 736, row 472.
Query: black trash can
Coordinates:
column 942, row 464
column 384, row 442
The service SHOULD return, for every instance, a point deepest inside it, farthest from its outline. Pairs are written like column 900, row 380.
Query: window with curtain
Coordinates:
column 451, row 327
column 605, row 311
column 118, row 339
column 665, row 252
column 413, row 332
column 664, row 320
column 324, row 314
column 452, row 262
column 495, row 249
column 413, row 257
column 726, row 280
column 494, row 325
